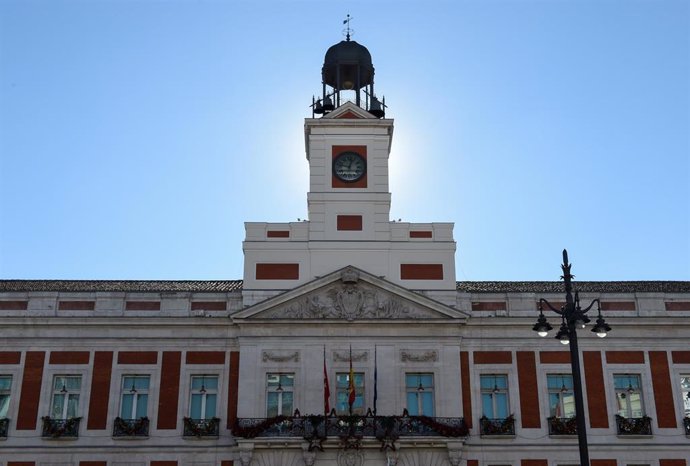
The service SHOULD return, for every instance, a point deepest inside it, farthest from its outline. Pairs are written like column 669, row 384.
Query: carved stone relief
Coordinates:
column 419, row 356
column 279, row 356
column 344, row 356
column 349, row 300
column 350, row 458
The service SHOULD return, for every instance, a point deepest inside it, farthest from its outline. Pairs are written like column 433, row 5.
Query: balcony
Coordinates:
column 562, row 425
column 686, row 424
column 60, row 428
column 634, row 425
column 131, row 427
column 350, row 429
column 4, row 427
column 207, row 428
column 497, row 427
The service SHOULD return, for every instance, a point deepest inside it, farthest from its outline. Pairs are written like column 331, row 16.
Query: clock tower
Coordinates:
column 348, row 143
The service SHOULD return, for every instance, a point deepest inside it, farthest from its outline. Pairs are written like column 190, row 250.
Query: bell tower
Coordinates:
column 348, row 142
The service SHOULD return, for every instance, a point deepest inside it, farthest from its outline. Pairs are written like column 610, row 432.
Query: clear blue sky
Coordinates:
column 136, row 137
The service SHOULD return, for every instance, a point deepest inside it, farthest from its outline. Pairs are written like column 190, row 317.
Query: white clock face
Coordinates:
column 349, row 167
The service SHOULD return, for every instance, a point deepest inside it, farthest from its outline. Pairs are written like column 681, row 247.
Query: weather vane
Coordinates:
column 348, row 32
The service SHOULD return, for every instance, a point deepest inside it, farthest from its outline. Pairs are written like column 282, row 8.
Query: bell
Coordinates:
column 376, row 109
column 327, row 104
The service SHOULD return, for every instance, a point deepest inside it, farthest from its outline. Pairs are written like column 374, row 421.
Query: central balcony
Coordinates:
column 562, row 425
column 60, row 428
column 497, row 427
column 350, row 429
column 131, row 427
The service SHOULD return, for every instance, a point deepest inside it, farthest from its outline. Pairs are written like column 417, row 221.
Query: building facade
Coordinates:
column 348, row 342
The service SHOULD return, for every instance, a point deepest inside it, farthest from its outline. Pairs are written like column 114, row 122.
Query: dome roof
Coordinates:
column 347, row 62
column 348, row 51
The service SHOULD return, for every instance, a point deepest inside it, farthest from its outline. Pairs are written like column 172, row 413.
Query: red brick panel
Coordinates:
column 209, row 306
column 163, row 463
column 534, row 462
column 680, row 357
column 278, row 234
column 137, row 357
column 489, row 306
column 227, row 463
column 14, row 305
column 603, row 462
column 233, row 385
column 625, row 357
column 360, row 183
column 170, row 390
column 421, row 271
column 596, row 394
column 472, row 462
column 529, row 392
column 277, row 271
column 100, row 390
column 205, row 357
column 618, row 305
column 349, row 115
column 10, row 357
column 663, row 391
column 31, row 390
column 143, row 306
column 421, row 234
column 349, row 222
column 672, row 462
column 466, row 387
column 69, row 357
column 554, row 357
column 93, row 463
column 493, row 357
column 21, row 463
column 76, row 305
column 555, row 304
column 677, row 305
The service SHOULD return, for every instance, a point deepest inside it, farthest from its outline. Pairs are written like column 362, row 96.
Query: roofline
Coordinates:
column 225, row 286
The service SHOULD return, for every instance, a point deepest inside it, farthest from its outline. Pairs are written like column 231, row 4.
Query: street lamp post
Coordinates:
column 572, row 317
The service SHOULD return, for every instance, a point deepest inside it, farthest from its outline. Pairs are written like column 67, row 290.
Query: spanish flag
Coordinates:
column 351, row 385
column 326, row 388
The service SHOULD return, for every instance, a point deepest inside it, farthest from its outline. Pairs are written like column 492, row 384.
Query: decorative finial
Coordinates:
column 348, row 32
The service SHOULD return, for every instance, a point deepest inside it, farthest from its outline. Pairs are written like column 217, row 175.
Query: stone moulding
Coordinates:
column 280, row 356
column 419, row 356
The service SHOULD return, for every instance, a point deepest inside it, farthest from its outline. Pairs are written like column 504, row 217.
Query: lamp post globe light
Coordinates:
column 573, row 316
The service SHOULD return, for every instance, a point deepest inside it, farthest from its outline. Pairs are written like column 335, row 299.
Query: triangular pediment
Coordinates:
column 349, row 294
column 349, row 110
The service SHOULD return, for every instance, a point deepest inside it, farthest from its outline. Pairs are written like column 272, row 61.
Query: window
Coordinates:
column 685, row 391
column 279, row 394
column 561, row 397
column 65, row 396
column 494, row 396
column 420, row 394
column 135, row 396
column 204, row 396
column 628, row 395
column 342, row 385
column 5, row 386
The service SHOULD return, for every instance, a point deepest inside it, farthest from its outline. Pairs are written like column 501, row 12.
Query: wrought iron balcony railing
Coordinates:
column 59, row 428
column 131, row 427
column 562, row 425
column 686, row 423
column 4, row 427
column 498, row 427
column 350, row 429
column 201, row 427
column 634, row 425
